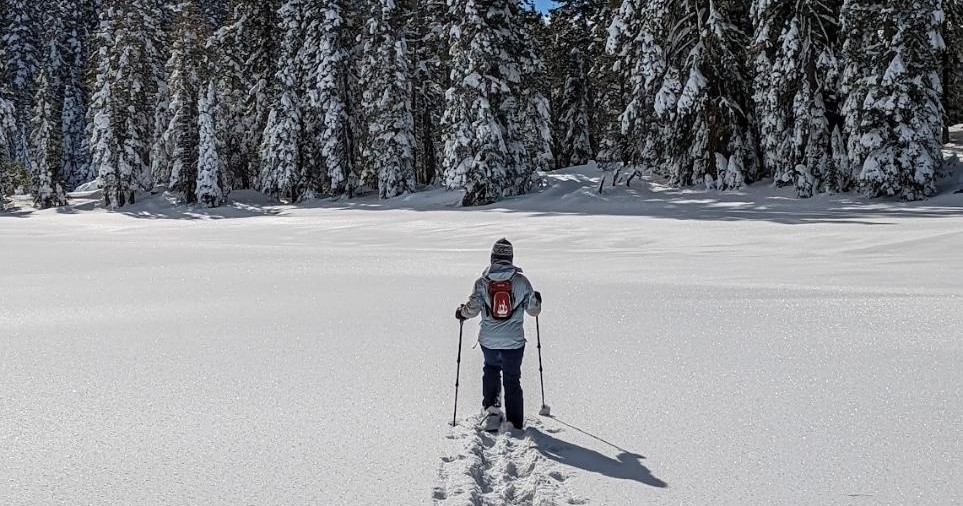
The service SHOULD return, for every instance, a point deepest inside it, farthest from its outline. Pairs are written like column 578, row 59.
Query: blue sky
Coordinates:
column 544, row 5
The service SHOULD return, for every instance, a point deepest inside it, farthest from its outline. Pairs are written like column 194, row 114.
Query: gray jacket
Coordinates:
column 502, row 334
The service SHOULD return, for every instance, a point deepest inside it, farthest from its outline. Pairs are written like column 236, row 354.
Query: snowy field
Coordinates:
column 699, row 348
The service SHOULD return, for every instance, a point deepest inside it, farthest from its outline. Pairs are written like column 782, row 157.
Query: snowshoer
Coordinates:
column 502, row 295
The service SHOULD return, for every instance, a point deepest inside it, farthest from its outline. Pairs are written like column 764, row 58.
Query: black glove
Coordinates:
column 538, row 296
column 458, row 315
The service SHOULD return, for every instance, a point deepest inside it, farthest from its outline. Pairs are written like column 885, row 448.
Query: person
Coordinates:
column 502, row 295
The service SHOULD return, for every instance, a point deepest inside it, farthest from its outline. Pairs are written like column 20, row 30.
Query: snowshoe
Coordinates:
column 492, row 419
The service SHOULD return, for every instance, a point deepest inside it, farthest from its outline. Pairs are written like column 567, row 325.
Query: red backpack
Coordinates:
column 500, row 293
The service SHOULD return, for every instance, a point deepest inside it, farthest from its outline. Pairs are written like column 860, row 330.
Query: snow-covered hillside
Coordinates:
column 699, row 348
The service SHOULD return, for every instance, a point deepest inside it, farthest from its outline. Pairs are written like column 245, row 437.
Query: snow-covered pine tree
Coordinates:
column 953, row 62
column 125, row 78
column 211, row 185
column 247, row 54
column 76, row 167
column 141, row 39
column 571, row 38
column 483, row 141
column 386, row 103
column 534, row 90
column 428, row 46
column 306, row 147
column 47, row 184
column 227, row 69
column 640, row 62
column 575, row 102
column 894, row 114
column 860, row 48
column 474, row 140
column 8, row 132
column 327, row 150
column 352, row 26
column 158, row 18
column 282, row 174
column 21, row 40
column 608, row 87
column 795, row 55
column 104, row 144
column 184, row 82
column 684, row 61
column 161, row 147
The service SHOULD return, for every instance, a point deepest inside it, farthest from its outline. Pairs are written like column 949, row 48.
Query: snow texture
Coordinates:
column 512, row 467
column 737, row 347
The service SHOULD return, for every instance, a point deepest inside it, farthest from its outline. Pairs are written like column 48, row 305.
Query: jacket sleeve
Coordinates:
column 532, row 306
column 476, row 301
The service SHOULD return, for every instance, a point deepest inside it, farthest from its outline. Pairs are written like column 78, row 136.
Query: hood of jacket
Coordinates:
column 500, row 271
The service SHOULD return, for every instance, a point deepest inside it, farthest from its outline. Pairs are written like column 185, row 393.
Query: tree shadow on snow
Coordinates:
column 158, row 206
column 15, row 212
column 577, row 195
column 180, row 212
column 625, row 466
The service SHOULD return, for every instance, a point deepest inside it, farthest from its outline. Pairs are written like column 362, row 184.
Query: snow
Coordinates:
column 513, row 467
column 699, row 347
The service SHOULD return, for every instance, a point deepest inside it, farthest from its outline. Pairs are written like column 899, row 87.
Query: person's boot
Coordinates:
column 492, row 419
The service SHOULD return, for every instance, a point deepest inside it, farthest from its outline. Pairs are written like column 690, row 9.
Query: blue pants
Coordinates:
column 509, row 364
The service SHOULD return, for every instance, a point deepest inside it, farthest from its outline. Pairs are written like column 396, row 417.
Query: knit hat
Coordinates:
column 502, row 250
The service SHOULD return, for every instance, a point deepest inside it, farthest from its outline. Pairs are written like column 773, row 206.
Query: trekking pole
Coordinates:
column 546, row 410
column 461, row 328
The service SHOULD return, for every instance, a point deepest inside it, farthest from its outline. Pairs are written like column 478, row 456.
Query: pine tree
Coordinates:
column 161, row 147
column 21, row 40
column 350, row 91
column 857, row 22
column 608, row 87
column 233, row 83
column 151, row 34
column 574, row 101
column 76, row 167
column 8, row 132
column 684, row 62
column 327, row 133
column 894, row 114
column 212, row 189
column 953, row 62
column 104, row 143
column 534, row 91
column 307, row 144
column 571, row 39
column 125, row 88
column 386, row 79
column 638, row 35
column 282, row 174
column 247, row 52
column 184, row 82
column 47, row 185
column 46, row 182
column 429, row 50
column 795, row 52
column 484, row 145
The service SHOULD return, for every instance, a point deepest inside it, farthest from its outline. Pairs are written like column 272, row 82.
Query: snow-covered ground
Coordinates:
column 699, row 348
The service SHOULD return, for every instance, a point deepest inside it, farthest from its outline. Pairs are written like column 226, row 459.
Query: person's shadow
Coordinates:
column 626, row 465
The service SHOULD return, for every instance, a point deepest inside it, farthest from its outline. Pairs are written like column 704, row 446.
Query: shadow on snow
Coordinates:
column 574, row 192
column 625, row 466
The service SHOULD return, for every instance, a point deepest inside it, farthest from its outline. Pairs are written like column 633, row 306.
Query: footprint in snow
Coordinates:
column 499, row 469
